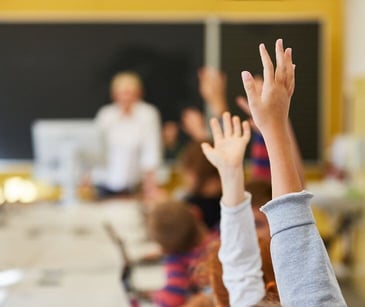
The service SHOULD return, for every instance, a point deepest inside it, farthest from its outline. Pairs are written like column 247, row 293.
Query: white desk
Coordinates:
column 334, row 196
column 66, row 255
column 345, row 207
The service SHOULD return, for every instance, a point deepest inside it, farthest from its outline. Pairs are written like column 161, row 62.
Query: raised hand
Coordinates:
column 270, row 113
column 227, row 156
column 271, row 107
column 193, row 124
column 212, row 87
column 229, row 144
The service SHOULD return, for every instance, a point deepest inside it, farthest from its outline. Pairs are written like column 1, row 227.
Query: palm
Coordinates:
column 228, row 151
column 229, row 144
column 271, row 106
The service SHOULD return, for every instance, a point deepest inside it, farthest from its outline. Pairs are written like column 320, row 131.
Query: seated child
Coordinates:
column 209, row 269
column 209, row 273
column 183, row 240
column 203, row 184
column 303, row 271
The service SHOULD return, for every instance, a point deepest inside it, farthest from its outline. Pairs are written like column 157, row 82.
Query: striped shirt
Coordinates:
column 259, row 158
column 179, row 272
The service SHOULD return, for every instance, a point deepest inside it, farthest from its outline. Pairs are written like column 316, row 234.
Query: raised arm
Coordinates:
column 212, row 87
column 270, row 111
column 260, row 159
column 302, row 268
column 239, row 252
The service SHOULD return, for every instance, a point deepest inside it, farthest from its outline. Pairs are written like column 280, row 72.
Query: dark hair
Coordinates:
column 174, row 227
column 194, row 160
column 261, row 192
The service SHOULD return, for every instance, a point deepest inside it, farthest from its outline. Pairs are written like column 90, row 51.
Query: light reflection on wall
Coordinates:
column 2, row 199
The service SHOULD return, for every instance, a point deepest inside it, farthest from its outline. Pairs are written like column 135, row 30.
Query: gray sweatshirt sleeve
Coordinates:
column 303, row 271
column 240, row 255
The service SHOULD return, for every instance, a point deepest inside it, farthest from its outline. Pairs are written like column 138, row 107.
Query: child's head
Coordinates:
column 174, row 227
column 201, row 177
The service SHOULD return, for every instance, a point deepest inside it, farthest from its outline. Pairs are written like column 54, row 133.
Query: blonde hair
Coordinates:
column 121, row 76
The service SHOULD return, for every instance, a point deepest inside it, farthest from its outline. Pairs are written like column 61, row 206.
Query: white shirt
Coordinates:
column 133, row 144
column 240, row 255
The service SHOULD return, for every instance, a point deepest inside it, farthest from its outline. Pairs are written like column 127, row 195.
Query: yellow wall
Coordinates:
column 329, row 11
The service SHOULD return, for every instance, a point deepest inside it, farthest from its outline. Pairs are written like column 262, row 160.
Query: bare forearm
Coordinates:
column 284, row 174
column 297, row 155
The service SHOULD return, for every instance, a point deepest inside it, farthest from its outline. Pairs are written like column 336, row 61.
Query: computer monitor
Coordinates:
column 65, row 150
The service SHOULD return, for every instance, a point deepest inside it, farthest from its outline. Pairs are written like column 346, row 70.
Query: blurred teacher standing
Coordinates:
column 133, row 139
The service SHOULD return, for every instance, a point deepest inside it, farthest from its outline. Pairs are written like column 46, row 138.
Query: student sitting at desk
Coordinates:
column 183, row 240
column 132, row 135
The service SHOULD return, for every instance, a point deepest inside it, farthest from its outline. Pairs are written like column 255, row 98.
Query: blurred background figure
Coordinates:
column 212, row 88
column 132, row 139
column 170, row 138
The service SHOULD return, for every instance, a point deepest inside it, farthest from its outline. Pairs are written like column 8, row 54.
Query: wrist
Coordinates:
column 233, row 191
column 280, row 130
column 229, row 173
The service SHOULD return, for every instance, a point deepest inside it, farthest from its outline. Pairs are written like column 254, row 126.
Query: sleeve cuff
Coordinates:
column 242, row 206
column 288, row 211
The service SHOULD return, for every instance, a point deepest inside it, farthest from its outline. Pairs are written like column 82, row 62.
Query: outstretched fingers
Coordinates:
column 290, row 69
column 237, row 131
column 292, row 85
column 227, row 124
column 280, row 73
column 246, row 131
column 250, row 87
column 267, row 64
column 216, row 130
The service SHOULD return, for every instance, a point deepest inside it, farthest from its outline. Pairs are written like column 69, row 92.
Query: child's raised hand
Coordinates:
column 193, row 124
column 229, row 144
column 212, row 87
column 271, row 108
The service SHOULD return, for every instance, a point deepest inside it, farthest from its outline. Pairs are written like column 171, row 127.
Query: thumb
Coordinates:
column 208, row 151
column 250, row 87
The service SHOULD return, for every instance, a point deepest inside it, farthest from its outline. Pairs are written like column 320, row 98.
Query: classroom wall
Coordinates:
column 354, row 42
column 354, row 71
column 329, row 11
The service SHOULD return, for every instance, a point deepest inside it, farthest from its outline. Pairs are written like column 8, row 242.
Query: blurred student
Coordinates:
column 203, row 185
column 303, row 271
column 133, row 139
column 212, row 88
column 183, row 240
column 171, row 142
